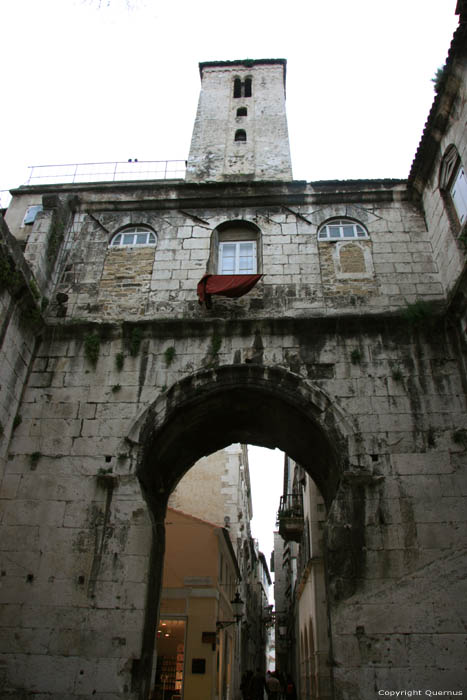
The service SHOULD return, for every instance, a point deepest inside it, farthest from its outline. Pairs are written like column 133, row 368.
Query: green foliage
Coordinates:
column 30, row 317
column 54, row 240
column 17, row 420
column 116, row 388
column 34, row 289
column 438, row 79
column 34, row 459
column 356, row 356
column 216, row 343
column 418, row 312
column 135, row 341
column 10, row 278
column 44, row 303
column 460, row 436
column 169, row 355
column 92, row 344
column 396, row 373
column 431, row 437
column 119, row 360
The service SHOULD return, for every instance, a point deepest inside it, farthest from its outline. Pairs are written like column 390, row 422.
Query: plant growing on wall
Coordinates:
column 355, row 356
column 135, row 341
column 119, row 360
column 169, row 355
column 418, row 312
column 54, row 240
column 91, row 347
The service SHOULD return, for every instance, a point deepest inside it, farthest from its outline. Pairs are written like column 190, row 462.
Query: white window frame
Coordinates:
column 236, row 245
column 131, row 238
column 336, row 228
column 31, row 212
column 458, row 192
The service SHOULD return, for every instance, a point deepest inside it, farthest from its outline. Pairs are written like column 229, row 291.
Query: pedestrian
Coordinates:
column 245, row 683
column 256, row 686
column 273, row 686
column 290, row 689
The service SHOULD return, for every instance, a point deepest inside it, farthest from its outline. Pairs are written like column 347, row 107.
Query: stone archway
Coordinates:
column 267, row 406
column 214, row 408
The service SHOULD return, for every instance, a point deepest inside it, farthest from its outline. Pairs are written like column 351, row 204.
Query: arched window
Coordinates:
column 134, row 236
column 235, row 249
column 242, row 112
column 237, row 88
column 242, row 89
column 453, row 183
column 338, row 229
column 240, row 135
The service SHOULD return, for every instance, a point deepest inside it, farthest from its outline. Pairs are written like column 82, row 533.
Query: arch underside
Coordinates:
column 238, row 404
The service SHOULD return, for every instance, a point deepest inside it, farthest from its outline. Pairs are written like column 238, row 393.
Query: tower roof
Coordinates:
column 245, row 62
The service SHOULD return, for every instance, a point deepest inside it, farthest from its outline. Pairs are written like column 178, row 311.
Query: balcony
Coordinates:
column 290, row 517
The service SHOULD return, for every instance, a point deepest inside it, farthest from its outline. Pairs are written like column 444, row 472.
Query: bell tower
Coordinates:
column 240, row 130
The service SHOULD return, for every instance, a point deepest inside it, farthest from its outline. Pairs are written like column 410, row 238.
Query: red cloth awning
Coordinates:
column 225, row 285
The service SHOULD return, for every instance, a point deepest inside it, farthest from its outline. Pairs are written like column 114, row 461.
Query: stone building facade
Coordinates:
column 348, row 354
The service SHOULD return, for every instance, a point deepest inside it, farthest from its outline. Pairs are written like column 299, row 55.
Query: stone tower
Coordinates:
column 240, row 131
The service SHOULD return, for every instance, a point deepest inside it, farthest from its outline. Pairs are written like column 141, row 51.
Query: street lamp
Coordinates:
column 238, row 607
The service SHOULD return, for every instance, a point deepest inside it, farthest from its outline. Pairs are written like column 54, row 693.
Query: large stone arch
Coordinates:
column 267, row 406
column 213, row 408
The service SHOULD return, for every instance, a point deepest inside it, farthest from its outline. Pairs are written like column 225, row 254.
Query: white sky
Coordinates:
column 266, row 477
column 81, row 83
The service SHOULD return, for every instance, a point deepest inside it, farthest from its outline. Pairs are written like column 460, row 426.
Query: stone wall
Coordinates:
column 76, row 530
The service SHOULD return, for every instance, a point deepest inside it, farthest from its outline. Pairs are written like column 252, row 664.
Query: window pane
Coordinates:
column 349, row 231
column 141, row 238
column 128, row 239
column 334, row 231
column 227, row 258
column 459, row 195
column 117, row 240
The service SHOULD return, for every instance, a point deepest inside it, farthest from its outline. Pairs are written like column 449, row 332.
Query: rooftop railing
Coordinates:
column 106, row 172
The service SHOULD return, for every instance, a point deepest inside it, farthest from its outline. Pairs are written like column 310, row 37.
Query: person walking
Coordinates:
column 273, row 686
column 256, row 686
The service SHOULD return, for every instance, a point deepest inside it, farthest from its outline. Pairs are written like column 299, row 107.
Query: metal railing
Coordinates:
column 106, row 172
column 291, row 506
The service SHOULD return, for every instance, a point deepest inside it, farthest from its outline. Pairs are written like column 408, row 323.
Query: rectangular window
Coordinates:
column 237, row 258
column 459, row 195
column 31, row 214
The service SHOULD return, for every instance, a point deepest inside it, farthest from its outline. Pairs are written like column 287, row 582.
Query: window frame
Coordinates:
column 453, row 187
column 223, row 245
column 340, row 223
column 31, row 214
column 134, row 231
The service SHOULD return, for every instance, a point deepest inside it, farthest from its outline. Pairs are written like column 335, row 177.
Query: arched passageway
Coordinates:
column 249, row 404
column 210, row 410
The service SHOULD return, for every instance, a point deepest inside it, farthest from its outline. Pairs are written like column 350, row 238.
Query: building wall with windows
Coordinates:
column 349, row 355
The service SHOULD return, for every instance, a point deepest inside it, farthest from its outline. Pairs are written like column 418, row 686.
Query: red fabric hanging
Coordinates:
column 225, row 285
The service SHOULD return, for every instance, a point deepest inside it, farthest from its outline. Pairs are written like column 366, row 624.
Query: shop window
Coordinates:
column 341, row 229
column 134, row 236
column 453, row 184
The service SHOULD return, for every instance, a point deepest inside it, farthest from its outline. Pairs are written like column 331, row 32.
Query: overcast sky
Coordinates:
column 94, row 80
